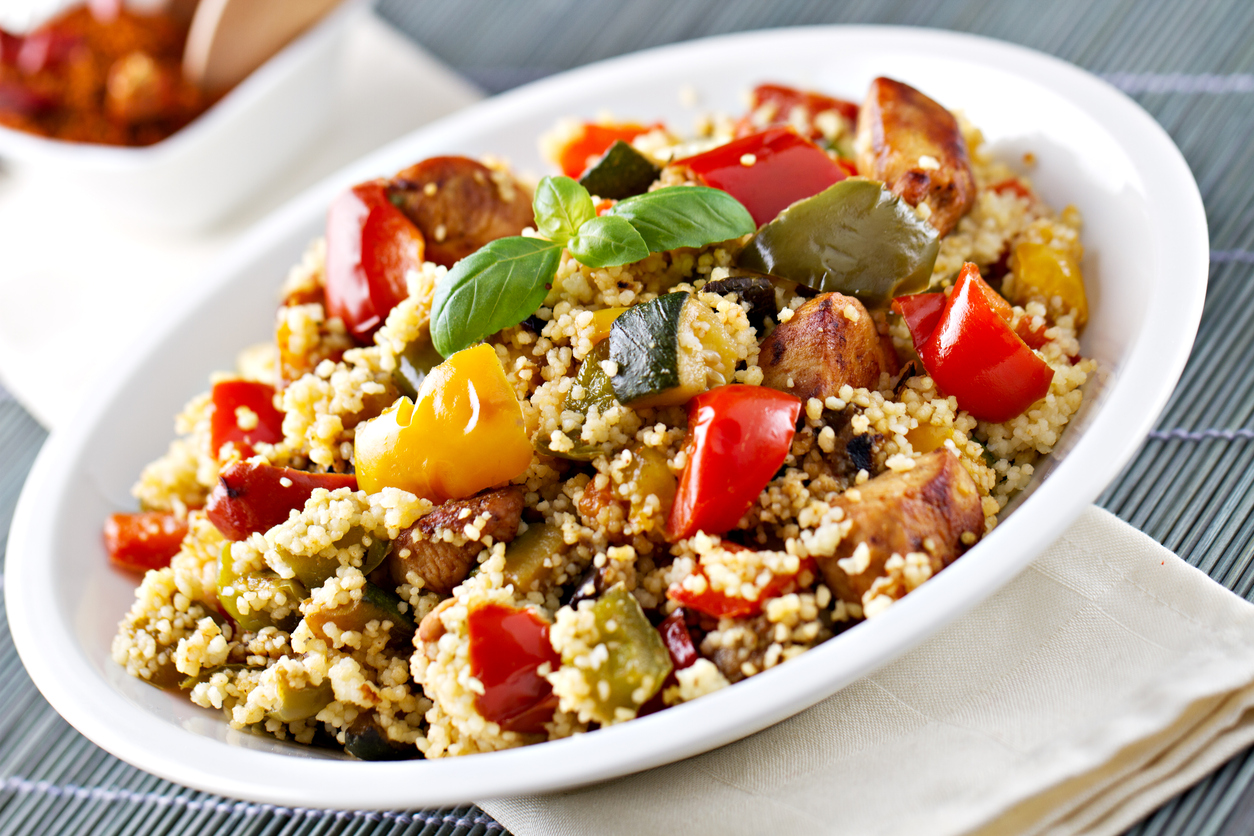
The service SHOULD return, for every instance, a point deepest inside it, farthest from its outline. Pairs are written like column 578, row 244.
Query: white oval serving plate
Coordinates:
column 1145, row 231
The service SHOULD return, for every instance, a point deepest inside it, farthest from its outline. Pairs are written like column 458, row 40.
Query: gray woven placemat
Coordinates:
column 1191, row 64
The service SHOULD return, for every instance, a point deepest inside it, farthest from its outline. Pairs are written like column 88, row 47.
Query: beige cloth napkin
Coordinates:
column 1104, row 679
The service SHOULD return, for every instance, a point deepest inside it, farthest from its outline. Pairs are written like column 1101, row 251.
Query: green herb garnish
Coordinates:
column 504, row 282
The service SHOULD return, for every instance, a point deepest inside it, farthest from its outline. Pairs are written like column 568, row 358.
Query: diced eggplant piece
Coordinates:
column 927, row 509
column 367, row 740
column 460, row 205
column 830, row 341
column 914, row 146
column 621, row 173
column 750, row 288
column 443, row 565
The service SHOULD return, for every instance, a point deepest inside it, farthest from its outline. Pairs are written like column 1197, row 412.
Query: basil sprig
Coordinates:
column 504, row 282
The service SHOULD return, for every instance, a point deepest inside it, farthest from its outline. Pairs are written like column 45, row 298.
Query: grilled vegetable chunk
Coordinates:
column 926, row 509
column 669, row 350
column 914, row 146
column 441, row 564
column 829, row 342
column 460, row 205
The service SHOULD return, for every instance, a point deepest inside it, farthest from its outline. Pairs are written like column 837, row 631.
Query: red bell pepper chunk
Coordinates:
column 719, row 604
column 683, row 653
column 228, row 397
column 251, row 496
column 768, row 171
column 1014, row 186
column 738, row 436
column 678, row 640
column 143, row 541
column 371, row 246
column 786, row 99
column 507, row 646
column 593, row 141
column 922, row 312
column 976, row 357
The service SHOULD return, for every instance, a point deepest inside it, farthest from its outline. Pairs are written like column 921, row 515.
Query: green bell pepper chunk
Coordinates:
column 268, row 585
column 300, row 703
column 638, row 661
column 854, row 237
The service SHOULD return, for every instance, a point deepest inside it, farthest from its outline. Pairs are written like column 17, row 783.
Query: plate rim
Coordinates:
column 581, row 760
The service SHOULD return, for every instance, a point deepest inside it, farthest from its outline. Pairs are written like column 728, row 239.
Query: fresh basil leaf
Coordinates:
column 606, row 242
column 561, row 206
column 497, row 286
column 684, row 216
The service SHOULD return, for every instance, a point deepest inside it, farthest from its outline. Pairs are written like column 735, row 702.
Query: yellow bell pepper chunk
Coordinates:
column 601, row 322
column 928, row 437
column 464, row 434
column 1043, row 272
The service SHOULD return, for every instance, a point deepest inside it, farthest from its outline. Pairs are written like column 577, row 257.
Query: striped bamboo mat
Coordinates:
column 1191, row 64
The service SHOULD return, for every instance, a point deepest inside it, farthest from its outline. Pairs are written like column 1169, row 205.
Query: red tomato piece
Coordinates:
column 767, row 172
column 143, row 541
column 922, row 312
column 228, row 397
column 976, row 357
column 252, row 496
column 593, row 141
column 371, row 246
column 507, row 645
column 719, row 604
column 785, row 99
column 738, row 436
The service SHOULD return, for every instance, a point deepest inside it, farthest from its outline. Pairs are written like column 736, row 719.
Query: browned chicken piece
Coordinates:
column 459, row 205
column 829, row 342
column 914, row 146
column 927, row 509
column 442, row 564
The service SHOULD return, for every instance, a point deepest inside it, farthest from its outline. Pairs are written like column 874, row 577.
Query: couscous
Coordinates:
column 527, row 459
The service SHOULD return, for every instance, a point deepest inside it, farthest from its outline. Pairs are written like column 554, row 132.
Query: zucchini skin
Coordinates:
column 644, row 342
column 622, row 172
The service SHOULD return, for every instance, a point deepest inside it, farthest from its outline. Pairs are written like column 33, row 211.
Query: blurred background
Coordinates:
column 1190, row 63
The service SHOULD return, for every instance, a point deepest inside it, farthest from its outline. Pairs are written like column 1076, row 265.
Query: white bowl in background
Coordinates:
column 197, row 175
column 1146, row 264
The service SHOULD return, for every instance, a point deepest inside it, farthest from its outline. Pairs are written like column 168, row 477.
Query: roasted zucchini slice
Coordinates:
column 621, row 173
column 669, row 350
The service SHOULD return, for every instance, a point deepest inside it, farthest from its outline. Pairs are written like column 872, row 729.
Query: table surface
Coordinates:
column 1190, row 63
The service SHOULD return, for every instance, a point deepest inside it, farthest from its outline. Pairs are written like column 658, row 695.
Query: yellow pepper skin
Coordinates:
column 464, row 434
column 602, row 320
column 1043, row 272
